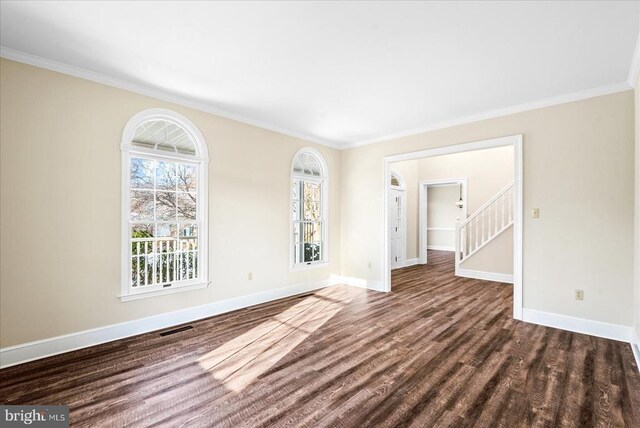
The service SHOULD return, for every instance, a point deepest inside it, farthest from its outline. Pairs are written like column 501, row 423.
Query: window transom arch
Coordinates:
column 164, row 205
column 397, row 182
column 309, row 210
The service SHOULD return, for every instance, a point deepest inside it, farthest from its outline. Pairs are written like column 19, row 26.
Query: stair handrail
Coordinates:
column 485, row 205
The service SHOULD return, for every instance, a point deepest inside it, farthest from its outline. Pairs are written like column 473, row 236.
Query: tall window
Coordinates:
column 164, row 201
column 309, row 210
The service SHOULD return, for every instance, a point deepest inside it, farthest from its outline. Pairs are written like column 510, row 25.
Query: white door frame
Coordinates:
column 403, row 209
column 512, row 140
column 423, row 192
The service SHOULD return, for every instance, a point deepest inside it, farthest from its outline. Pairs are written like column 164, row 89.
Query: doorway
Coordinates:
column 514, row 141
column 437, row 224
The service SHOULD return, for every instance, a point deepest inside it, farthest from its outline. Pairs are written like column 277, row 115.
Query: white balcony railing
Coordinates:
column 162, row 261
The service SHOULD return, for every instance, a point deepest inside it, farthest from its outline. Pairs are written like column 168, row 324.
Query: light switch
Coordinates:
column 535, row 212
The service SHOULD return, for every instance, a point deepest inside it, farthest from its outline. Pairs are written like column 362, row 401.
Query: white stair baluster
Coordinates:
column 511, row 205
column 490, row 220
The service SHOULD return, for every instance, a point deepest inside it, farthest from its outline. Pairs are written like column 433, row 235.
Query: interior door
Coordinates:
column 397, row 224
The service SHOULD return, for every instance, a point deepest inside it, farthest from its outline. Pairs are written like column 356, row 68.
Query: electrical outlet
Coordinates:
column 250, row 276
column 579, row 294
column 535, row 212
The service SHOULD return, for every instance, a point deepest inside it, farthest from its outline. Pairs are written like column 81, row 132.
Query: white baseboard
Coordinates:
column 375, row 286
column 440, row 248
column 487, row 276
column 606, row 330
column 411, row 262
column 635, row 346
column 25, row 352
column 358, row 282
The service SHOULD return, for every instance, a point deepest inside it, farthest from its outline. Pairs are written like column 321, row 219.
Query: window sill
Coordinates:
column 301, row 267
column 155, row 293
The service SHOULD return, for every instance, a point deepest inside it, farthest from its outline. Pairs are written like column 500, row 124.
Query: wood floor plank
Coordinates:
column 437, row 351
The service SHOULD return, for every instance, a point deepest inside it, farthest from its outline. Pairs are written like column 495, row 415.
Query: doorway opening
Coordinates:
column 443, row 204
column 479, row 224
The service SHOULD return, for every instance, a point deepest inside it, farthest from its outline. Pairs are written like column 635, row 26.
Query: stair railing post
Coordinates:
column 458, row 246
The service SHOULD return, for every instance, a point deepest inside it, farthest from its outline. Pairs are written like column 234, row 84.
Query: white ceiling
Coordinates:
column 341, row 73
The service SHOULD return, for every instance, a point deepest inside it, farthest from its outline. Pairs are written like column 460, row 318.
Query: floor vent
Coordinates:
column 176, row 330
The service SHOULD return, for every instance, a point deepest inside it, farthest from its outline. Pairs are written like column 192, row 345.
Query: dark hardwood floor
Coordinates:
column 437, row 351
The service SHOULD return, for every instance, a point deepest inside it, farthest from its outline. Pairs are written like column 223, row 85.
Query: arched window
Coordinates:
column 309, row 210
column 397, row 182
column 164, row 200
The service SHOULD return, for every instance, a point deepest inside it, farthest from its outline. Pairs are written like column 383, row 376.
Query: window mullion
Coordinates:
column 144, row 237
column 310, row 217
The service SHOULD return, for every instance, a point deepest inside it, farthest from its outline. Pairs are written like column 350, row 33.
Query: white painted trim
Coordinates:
column 491, row 200
column 359, row 282
column 635, row 347
column 441, row 229
column 308, row 266
column 23, row 353
column 487, row 242
column 423, row 192
column 514, row 140
column 454, row 148
column 634, row 68
column 492, row 114
column 486, row 276
column 202, row 151
column 148, row 91
column 324, row 206
column 444, row 182
column 401, row 181
column 440, row 248
column 578, row 325
column 201, row 161
column 518, row 218
column 403, row 210
column 18, row 354
column 155, row 293
column 161, row 94
column 411, row 262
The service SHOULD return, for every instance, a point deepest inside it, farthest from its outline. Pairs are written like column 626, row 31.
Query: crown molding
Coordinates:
column 492, row 114
column 71, row 70
column 49, row 64
column 634, row 69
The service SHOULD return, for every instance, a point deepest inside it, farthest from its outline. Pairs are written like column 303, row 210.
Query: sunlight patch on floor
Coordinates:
column 240, row 361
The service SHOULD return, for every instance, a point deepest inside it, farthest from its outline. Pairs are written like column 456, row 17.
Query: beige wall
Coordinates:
column 487, row 172
column 60, row 206
column 637, row 211
column 496, row 257
column 442, row 213
column 578, row 169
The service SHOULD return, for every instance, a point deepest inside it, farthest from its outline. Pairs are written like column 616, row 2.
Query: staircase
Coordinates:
column 485, row 224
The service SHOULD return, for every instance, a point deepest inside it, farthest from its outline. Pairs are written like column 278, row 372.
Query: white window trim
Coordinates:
column 324, row 179
column 202, row 159
column 401, row 183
